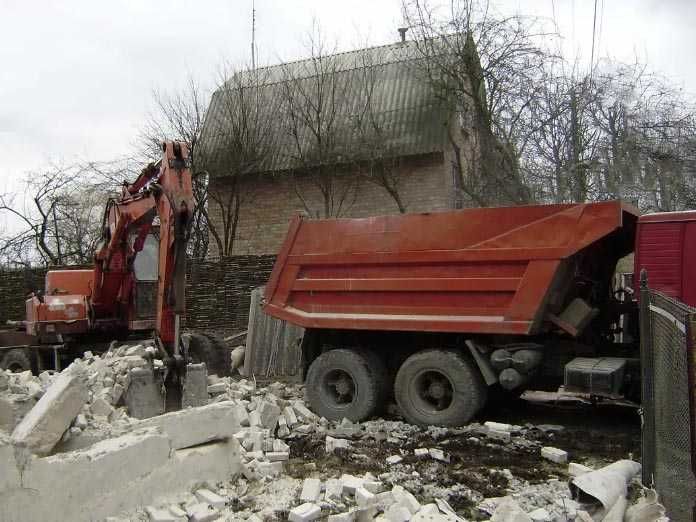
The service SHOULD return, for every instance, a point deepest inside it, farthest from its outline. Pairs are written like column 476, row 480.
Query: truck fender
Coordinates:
column 484, row 365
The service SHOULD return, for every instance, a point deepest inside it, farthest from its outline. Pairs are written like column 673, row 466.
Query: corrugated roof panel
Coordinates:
column 408, row 114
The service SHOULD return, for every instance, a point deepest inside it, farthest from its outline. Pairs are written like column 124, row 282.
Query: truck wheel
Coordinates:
column 345, row 383
column 16, row 360
column 439, row 387
column 202, row 350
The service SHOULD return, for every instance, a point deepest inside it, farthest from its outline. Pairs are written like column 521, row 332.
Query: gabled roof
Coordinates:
column 410, row 117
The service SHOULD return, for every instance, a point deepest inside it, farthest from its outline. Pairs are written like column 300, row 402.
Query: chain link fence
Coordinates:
column 667, row 357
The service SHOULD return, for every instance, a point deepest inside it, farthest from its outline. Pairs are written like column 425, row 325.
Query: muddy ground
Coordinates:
column 592, row 435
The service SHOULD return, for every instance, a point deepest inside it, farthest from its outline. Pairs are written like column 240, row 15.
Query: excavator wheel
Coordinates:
column 15, row 360
column 208, row 349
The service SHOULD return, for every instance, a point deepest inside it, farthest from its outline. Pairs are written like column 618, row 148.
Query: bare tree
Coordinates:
column 238, row 144
column 57, row 220
column 180, row 115
column 486, row 67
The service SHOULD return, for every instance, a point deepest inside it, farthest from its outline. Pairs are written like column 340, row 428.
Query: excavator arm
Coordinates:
column 162, row 192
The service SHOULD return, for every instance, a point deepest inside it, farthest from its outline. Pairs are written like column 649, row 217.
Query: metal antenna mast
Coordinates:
column 253, row 34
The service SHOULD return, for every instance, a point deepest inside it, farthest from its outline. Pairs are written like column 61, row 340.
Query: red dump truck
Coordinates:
column 447, row 310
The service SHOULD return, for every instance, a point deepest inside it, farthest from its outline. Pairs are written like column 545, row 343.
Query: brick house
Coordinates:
column 415, row 127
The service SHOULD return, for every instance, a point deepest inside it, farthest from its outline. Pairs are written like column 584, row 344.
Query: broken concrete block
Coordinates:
column 268, row 413
column 575, row 469
column 303, row 412
column 13, row 408
column 373, row 486
column 503, row 436
column 334, row 444
column 217, row 388
column 255, row 419
column 210, row 498
column 290, row 416
column 311, row 488
column 44, row 425
column 363, row 498
column 498, row 426
column 350, row 483
column 438, row 454
column 143, row 398
column 366, row 514
column 333, row 490
column 394, row 459
column 242, row 414
column 342, row 517
column 540, row 515
column 283, row 430
column 279, row 445
column 137, row 350
column 101, row 408
column 270, row 469
column 195, row 426
column 202, row 513
column 554, row 454
column 177, row 512
column 277, row 456
column 421, row 452
column 195, row 387
column 384, row 500
column 509, row 511
column 304, row 512
column 405, row 499
column 10, row 476
column 162, row 515
column 248, row 470
column 397, row 513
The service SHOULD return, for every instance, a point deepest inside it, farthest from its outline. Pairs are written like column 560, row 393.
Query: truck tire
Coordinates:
column 345, row 383
column 16, row 360
column 202, row 350
column 440, row 388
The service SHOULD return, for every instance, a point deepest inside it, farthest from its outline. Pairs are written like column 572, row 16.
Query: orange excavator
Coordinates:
column 136, row 288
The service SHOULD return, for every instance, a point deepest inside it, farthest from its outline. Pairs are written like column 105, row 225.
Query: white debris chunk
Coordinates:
column 394, row 459
column 575, row 469
column 302, row 411
column 212, row 499
column 438, row 454
column 363, row 498
column 350, row 483
column 342, row 517
column 305, row 512
column 333, row 490
column 397, row 513
column 161, row 515
column 277, row 456
column 421, row 452
column 509, row 511
column 311, row 489
column 554, row 454
column 44, row 425
column 202, row 513
column 333, row 444
column 540, row 515
column 406, row 499
column 290, row 416
column 498, row 426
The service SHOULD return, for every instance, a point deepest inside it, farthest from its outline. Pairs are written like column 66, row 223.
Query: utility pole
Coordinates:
column 253, row 34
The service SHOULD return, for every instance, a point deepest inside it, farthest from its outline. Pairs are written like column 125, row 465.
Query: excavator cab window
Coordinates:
column 146, row 263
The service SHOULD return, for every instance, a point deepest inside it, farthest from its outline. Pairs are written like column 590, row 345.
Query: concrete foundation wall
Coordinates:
column 116, row 475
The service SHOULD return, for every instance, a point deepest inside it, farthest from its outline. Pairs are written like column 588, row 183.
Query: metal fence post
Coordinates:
column 648, row 385
column 691, row 369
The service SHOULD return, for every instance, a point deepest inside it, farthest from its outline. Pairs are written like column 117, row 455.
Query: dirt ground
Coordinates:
column 594, row 435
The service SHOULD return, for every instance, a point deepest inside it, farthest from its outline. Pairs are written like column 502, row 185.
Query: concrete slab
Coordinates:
column 143, row 398
column 195, row 388
column 311, row 489
column 194, row 426
column 554, row 454
column 210, row 498
column 44, row 425
column 305, row 513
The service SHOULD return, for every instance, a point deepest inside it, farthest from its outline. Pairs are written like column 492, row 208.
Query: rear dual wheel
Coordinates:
column 440, row 388
column 346, row 383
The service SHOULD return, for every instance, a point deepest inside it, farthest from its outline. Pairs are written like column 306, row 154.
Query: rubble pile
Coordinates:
column 258, row 453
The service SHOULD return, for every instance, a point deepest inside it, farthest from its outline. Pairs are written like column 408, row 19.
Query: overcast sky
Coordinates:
column 76, row 76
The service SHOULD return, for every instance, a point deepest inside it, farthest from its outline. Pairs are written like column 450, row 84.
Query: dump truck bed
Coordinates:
column 488, row 270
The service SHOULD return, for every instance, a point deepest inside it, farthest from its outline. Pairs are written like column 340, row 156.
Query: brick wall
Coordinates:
column 270, row 201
